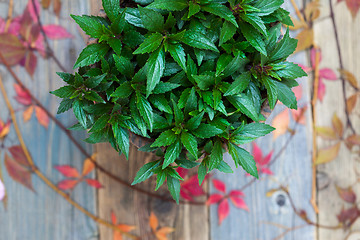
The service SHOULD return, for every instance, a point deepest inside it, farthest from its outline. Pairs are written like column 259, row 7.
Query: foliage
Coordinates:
column 190, row 76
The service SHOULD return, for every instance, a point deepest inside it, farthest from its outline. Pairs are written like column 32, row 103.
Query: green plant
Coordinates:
column 189, row 75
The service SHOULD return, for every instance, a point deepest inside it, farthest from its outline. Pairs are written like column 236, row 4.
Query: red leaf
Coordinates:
column 32, row 10
column 2, row 190
column 113, row 218
column 42, row 117
column 2, row 25
column 298, row 92
column 236, row 193
column 23, row 96
column 219, row 185
column 321, row 90
column 30, row 62
column 313, row 56
column 19, row 155
column 214, row 198
column 18, row 173
column 67, row 184
column 328, row 74
column 11, row 48
column 346, row 194
column 190, row 188
column 56, row 32
column 93, row 183
column 257, row 153
column 353, row 6
column 68, row 171
column 239, row 203
column 182, row 172
column 348, row 217
column 223, row 210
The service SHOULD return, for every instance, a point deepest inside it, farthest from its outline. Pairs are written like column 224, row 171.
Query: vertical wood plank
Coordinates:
column 44, row 214
column 341, row 171
column 293, row 169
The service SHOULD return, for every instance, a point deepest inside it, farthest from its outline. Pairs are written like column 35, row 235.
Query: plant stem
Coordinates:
column 10, row 14
column 36, row 170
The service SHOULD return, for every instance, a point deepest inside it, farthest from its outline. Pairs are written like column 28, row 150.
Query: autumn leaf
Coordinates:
column 337, row 125
column 353, row 6
column 299, row 115
column 18, row 172
column 190, row 188
column 42, row 117
column 261, row 162
column 2, row 190
column 236, row 198
column 67, row 184
column 56, row 32
column 352, row 140
column 93, row 183
column 351, row 103
column 305, row 39
column 223, row 210
column 18, row 155
column 327, row 154
column 281, row 123
column 349, row 77
column 219, row 185
column 346, row 194
column 28, row 113
column 153, row 221
column 22, row 96
column 117, row 235
column 11, row 48
column 88, row 165
column 326, row 133
column 4, row 129
column 162, row 233
column 68, row 171
column 348, row 217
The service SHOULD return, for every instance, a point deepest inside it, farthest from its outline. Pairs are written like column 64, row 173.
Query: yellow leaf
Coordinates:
column 153, row 221
column 28, row 113
column 88, row 165
column 297, row 24
column 306, row 39
column 351, row 103
column 337, row 125
column 348, row 76
column 163, row 232
column 326, row 132
column 312, row 11
column 271, row 192
column 328, row 154
column 45, row 3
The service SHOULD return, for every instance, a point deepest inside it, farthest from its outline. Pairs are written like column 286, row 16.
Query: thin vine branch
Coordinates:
column 10, row 14
column 36, row 170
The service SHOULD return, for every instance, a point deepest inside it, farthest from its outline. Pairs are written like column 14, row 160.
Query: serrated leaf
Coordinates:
column 78, row 109
column 245, row 105
column 170, row 5
column 112, row 9
column 190, row 143
column 150, row 44
column 216, row 156
column 92, row 25
column 93, row 82
column 253, row 37
column 284, row 48
column 122, row 138
column 285, row 95
column 239, row 85
column 123, row 91
column 115, row 44
column 244, row 159
column 65, row 105
column 101, row 123
column 146, row 111
column 221, row 11
column 124, row 66
column 178, row 54
column 227, row 31
column 267, row 7
column 155, row 69
column 198, row 40
column 194, row 122
column 174, row 188
column 64, row 92
column 151, row 20
column 271, row 91
column 172, row 153
column 194, row 8
column 207, row 131
column 91, row 54
column 145, row 172
column 165, row 139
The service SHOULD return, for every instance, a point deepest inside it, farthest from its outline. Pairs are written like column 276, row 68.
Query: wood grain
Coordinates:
column 44, row 214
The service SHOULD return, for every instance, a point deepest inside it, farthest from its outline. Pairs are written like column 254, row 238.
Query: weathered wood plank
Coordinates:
column 44, row 214
column 341, row 171
column 291, row 169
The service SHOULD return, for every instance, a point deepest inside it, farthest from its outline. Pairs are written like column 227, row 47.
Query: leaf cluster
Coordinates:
column 189, row 75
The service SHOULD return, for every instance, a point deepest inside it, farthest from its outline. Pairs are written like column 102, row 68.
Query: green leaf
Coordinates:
column 122, row 138
column 140, row 122
column 132, row 16
column 93, row 82
column 94, row 97
column 123, row 91
column 124, row 66
column 160, row 179
column 271, row 90
column 267, row 7
column 115, row 44
column 236, row 64
column 161, row 103
column 204, row 81
column 198, row 40
column 221, row 11
column 253, row 37
column 202, row 171
column 290, row 70
column 145, row 172
column 224, row 167
column 194, row 8
column 179, row 115
column 207, row 131
column 250, row 132
column 91, row 54
column 150, row 44
column 222, row 63
column 239, row 85
column 244, row 159
column 101, row 123
column 78, row 109
column 178, row 54
column 256, row 22
column 152, row 20
column 245, row 105
column 145, row 110
column 92, row 25
column 66, row 77
column 118, row 25
column 285, row 95
column 112, row 9
column 164, row 87
column 155, row 69
column 194, row 122
column 172, row 153
column 174, row 188
column 165, row 139
column 65, row 105
column 216, row 156
column 227, row 31
column 170, row 5
column 64, row 92
column 284, row 48
column 190, row 143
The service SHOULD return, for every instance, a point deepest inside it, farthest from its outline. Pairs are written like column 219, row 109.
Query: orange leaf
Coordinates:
column 348, row 76
column 337, row 125
column 153, row 222
column 45, row 3
column 4, row 129
column 351, row 103
column 299, row 115
column 305, row 38
column 326, row 132
column 68, row 171
column 125, row 228
column 352, row 140
column 113, row 218
column 93, row 183
column 42, row 117
column 88, row 165
column 281, row 123
column 57, row 7
column 117, row 235
column 28, row 113
column 163, row 232
column 18, row 172
column 67, row 184
column 328, row 154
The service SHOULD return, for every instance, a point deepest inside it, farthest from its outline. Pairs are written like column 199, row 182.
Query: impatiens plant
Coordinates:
column 189, row 77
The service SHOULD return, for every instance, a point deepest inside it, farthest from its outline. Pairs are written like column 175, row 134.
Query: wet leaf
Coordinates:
column 327, row 154
column 18, row 172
